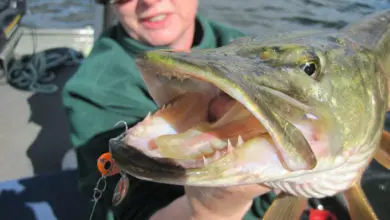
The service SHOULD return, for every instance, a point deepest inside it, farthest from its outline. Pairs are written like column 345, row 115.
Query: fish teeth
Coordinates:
column 214, row 148
column 311, row 116
column 217, row 155
column 148, row 117
column 204, row 160
column 230, row 146
column 166, row 106
column 239, row 140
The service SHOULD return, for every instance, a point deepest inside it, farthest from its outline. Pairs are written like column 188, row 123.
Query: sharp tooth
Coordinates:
column 310, row 116
column 230, row 146
column 217, row 155
column 166, row 106
column 148, row 116
column 204, row 160
column 240, row 140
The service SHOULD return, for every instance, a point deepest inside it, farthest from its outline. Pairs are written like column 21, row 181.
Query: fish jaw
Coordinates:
column 138, row 164
column 249, row 164
column 164, row 71
column 331, row 175
column 147, row 134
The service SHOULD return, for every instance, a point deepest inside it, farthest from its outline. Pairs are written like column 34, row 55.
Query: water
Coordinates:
column 251, row 16
column 59, row 13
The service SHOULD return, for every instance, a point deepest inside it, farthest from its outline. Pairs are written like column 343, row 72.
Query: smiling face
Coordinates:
column 159, row 22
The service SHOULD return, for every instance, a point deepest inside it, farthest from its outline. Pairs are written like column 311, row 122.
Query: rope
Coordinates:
column 35, row 72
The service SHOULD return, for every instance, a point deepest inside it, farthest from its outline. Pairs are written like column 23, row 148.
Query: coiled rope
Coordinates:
column 35, row 72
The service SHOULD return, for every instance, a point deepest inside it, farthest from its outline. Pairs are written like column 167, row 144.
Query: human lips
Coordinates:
column 154, row 16
column 157, row 17
column 156, row 20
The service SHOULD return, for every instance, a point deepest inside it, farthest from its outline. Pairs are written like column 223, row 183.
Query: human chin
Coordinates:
column 162, row 37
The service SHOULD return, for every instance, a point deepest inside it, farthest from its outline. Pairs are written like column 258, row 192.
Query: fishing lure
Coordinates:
column 107, row 168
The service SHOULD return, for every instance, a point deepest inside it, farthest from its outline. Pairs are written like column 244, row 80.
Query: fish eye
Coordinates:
column 310, row 67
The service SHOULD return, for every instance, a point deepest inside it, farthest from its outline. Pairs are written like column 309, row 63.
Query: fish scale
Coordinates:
column 324, row 124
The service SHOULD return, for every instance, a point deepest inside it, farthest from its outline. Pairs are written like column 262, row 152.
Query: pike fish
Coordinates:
column 301, row 112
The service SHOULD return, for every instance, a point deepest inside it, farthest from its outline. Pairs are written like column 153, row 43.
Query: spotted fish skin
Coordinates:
column 321, row 97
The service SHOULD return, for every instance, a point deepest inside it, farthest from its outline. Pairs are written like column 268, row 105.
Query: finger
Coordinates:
column 246, row 191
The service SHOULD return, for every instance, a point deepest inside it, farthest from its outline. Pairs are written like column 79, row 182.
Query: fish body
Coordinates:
column 304, row 113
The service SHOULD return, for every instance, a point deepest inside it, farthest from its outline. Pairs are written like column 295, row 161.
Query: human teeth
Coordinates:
column 158, row 18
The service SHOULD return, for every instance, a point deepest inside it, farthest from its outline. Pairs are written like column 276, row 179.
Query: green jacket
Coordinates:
column 107, row 88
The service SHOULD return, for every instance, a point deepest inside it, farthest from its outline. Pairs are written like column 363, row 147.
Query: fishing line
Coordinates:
column 98, row 191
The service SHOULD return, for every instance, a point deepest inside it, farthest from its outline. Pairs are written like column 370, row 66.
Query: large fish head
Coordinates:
column 293, row 105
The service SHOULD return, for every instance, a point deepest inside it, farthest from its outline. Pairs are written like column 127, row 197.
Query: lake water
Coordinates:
column 251, row 16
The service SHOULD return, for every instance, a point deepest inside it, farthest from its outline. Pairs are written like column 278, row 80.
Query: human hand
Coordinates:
column 198, row 203
column 222, row 203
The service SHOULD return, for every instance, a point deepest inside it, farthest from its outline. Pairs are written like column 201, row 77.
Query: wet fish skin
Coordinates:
column 326, row 125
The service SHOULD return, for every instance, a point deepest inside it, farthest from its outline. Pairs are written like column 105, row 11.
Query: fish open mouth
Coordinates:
column 195, row 129
column 201, row 117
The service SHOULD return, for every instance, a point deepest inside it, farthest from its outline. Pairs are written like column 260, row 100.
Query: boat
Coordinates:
column 38, row 168
column 38, row 177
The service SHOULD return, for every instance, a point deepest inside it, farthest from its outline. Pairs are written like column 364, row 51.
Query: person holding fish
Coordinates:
column 107, row 88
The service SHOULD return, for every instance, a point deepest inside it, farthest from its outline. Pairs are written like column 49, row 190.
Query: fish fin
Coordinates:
column 286, row 207
column 358, row 204
column 382, row 154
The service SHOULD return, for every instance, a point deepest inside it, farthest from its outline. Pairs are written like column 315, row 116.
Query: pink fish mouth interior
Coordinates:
column 202, row 119
column 194, row 129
